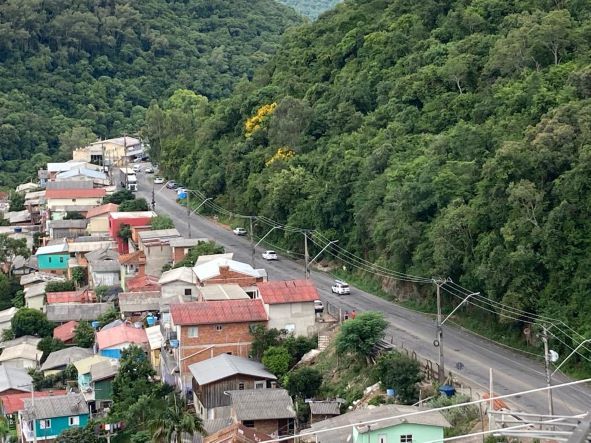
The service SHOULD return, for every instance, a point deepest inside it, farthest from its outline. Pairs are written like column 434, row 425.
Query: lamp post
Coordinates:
column 570, row 355
column 262, row 238
column 189, row 212
column 308, row 263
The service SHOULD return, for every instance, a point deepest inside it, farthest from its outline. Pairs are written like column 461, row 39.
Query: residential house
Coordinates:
column 112, row 152
column 180, row 247
column 81, row 246
column 10, row 404
column 38, row 277
column 17, row 218
column 215, row 376
column 69, row 184
column 23, row 356
column 65, row 312
column 136, row 305
column 66, row 228
column 179, row 281
column 43, row 176
column 35, row 296
column 66, row 332
column 142, row 283
column 98, row 218
column 102, row 375
column 46, row 418
column 323, row 410
column 267, row 410
column 155, row 341
column 290, row 305
column 53, row 169
column 231, row 291
column 24, row 266
column 223, row 271
column 112, row 341
column 411, row 429
column 57, row 361
column 53, row 259
column 6, row 319
column 131, row 265
column 27, row 339
column 83, row 367
column 205, row 258
column 83, row 296
column 98, row 178
column 118, row 219
column 27, row 187
column 14, row 380
column 103, row 267
column 207, row 329
column 156, row 246
column 59, row 199
column 237, row 433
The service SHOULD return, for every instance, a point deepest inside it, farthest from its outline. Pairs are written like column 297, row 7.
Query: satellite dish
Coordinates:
column 553, row 356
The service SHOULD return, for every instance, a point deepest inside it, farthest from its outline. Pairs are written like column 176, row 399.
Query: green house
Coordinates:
column 53, row 257
column 102, row 375
column 378, row 427
column 48, row 417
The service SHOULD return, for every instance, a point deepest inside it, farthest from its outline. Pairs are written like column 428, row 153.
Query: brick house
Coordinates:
column 223, row 270
column 207, row 329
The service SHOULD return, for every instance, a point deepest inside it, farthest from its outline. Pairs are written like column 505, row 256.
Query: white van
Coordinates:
column 340, row 287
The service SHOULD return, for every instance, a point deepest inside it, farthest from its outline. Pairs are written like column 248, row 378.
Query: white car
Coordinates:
column 158, row 180
column 149, row 170
column 270, row 255
column 137, row 168
column 340, row 287
column 239, row 231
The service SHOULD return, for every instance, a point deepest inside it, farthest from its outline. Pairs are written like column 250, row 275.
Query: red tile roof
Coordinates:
column 119, row 335
column 292, row 291
column 75, row 193
column 134, row 257
column 142, row 283
column 12, row 403
column 223, row 311
column 68, row 297
column 103, row 209
column 65, row 332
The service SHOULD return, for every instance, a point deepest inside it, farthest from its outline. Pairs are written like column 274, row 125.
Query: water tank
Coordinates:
column 95, row 324
column 151, row 320
column 390, row 392
column 18, row 230
column 448, row 390
column 182, row 195
column 174, row 343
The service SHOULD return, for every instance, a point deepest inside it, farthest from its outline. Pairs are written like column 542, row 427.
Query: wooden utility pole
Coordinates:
column 306, row 256
column 547, row 367
column 188, row 214
column 252, row 242
column 439, row 339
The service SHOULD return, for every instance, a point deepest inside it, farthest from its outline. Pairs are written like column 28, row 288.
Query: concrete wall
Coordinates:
column 156, row 258
column 80, row 201
column 98, row 225
column 299, row 315
column 105, row 278
column 35, row 302
column 178, row 288
column 420, row 434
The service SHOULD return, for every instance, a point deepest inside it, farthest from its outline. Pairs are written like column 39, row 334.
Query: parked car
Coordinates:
column 318, row 306
column 340, row 287
column 270, row 255
column 149, row 170
column 171, row 185
column 137, row 160
column 158, row 180
column 137, row 168
column 239, row 231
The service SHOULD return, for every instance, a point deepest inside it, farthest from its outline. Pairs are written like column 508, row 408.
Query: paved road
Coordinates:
column 512, row 371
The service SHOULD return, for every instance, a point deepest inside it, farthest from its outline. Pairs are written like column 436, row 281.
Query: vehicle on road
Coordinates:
column 239, row 231
column 158, row 180
column 137, row 160
column 270, row 255
column 149, row 170
column 137, row 168
column 171, row 185
column 318, row 306
column 340, row 287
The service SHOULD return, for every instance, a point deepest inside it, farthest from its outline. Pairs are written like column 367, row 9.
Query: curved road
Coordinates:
column 512, row 371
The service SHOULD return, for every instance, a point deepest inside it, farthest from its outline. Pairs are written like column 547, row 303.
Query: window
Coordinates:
column 248, row 423
column 219, row 327
column 188, row 291
column 241, row 387
column 73, row 200
column 61, row 259
column 49, row 259
column 74, row 421
column 405, row 438
column 45, row 424
column 193, row 332
column 259, row 385
column 382, row 438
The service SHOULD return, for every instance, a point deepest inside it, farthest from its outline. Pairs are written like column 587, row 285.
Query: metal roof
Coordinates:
column 325, row 408
column 23, row 350
column 133, row 214
column 63, row 312
column 155, row 337
column 63, row 166
column 64, row 357
column 178, row 274
column 104, row 369
column 56, row 406
column 139, row 301
column 82, row 171
column 205, row 258
column 262, row 404
column 70, row 184
column 102, row 209
column 53, row 249
column 17, row 341
column 68, row 224
column 14, row 378
column 212, row 312
column 66, row 331
column 187, row 242
column 292, row 291
column 120, row 335
column 83, row 366
column 224, row 366
column 7, row 314
column 230, row 291
column 211, row 269
column 75, row 193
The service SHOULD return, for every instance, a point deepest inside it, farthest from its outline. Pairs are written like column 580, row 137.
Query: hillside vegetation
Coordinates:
column 97, row 65
column 438, row 137
column 310, row 8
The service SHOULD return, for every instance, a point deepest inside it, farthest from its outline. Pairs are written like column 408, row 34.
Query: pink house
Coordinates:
column 118, row 219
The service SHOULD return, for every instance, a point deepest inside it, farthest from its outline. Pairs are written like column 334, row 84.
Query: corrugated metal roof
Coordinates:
column 75, row 193
column 104, row 369
column 62, row 312
column 74, row 172
column 133, row 214
column 325, row 408
column 12, row 403
column 57, row 406
column 223, row 292
column 63, row 166
column 64, row 357
column 154, row 337
column 224, row 366
column 139, row 301
column 83, row 366
column 292, row 291
column 53, row 249
column 23, row 350
column 262, row 404
column 68, row 224
column 65, row 332
column 120, row 335
column 212, row 312
column 211, row 269
column 205, row 258
column 178, row 274
column 70, row 184
column 14, row 378
column 103, row 209
column 17, row 341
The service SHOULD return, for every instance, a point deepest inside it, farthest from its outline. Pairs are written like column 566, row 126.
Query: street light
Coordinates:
column 189, row 212
column 262, row 238
column 570, row 355
column 318, row 255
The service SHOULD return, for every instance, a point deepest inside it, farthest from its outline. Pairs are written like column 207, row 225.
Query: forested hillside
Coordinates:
column 311, row 8
column 446, row 138
column 97, row 65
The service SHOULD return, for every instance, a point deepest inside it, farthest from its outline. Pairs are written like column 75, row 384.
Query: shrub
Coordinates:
column 360, row 335
column 60, row 286
column 397, row 371
column 304, row 382
column 276, row 359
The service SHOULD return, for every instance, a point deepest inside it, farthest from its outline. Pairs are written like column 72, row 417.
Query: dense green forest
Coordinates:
column 442, row 137
column 97, row 65
column 310, row 8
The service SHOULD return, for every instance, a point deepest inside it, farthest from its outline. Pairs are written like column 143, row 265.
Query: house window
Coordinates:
column 382, row 438
column 73, row 200
column 406, row 438
column 188, row 291
column 248, row 423
column 49, row 259
column 61, row 259
column 192, row 332
column 219, row 327
column 241, row 386
column 74, row 421
column 259, row 385
column 45, row 424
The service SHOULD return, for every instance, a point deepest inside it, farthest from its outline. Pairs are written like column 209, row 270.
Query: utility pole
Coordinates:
column 252, row 247
column 547, row 367
column 153, row 199
column 125, row 156
column 188, row 215
column 306, row 256
column 439, row 340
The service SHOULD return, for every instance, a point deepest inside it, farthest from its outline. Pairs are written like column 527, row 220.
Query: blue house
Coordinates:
column 53, row 257
column 50, row 416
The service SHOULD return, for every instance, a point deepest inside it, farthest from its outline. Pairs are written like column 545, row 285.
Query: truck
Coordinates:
column 128, row 179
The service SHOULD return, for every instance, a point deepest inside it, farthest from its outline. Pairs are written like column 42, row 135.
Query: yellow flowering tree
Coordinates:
column 254, row 123
column 284, row 153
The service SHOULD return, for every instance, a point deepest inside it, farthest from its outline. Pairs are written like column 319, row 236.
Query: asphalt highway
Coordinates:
column 512, row 371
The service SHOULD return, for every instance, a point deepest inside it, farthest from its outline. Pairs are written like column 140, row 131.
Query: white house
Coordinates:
column 179, row 281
